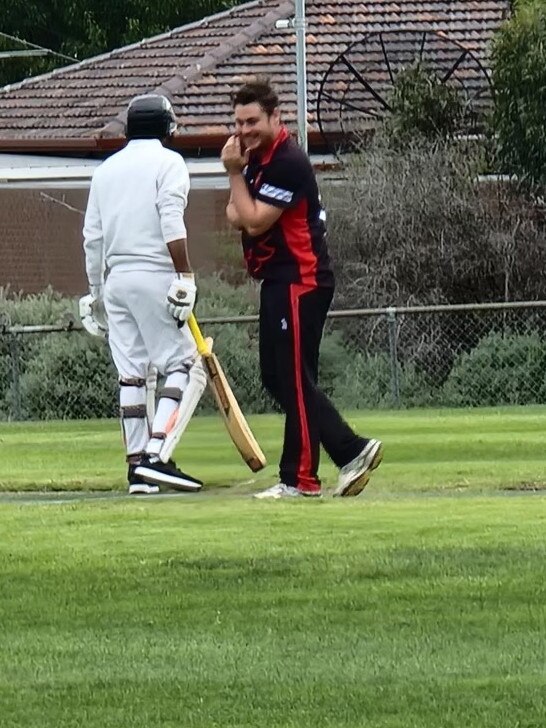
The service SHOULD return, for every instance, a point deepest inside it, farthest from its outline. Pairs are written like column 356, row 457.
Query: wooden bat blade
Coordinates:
column 234, row 420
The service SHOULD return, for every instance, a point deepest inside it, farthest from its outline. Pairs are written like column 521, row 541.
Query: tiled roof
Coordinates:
column 198, row 64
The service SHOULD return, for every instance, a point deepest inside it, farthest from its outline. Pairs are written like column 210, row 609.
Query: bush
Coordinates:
column 69, row 376
column 423, row 106
column 502, row 369
column 57, row 375
column 217, row 297
column 413, row 226
column 366, row 382
column 237, row 349
column 519, row 79
column 16, row 350
column 407, row 227
column 47, row 307
column 410, row 227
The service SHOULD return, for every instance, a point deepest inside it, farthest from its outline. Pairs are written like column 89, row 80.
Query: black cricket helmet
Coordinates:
column 150, row 116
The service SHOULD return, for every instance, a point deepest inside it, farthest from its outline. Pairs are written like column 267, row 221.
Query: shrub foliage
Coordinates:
column 519, row 78
column 423, row 106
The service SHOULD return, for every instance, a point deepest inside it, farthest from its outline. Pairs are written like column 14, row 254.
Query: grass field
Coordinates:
column 419, row 605
column 424, row 450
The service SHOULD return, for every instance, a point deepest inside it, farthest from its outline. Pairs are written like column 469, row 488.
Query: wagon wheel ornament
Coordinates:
column 356, row 89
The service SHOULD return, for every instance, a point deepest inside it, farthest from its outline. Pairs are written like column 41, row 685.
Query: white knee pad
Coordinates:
column 187, row 402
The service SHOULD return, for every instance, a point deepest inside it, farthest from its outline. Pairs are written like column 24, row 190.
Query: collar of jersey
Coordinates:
column 134, row 142
column 281, row 137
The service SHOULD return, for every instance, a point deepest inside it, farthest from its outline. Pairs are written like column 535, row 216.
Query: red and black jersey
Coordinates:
column 294, row 249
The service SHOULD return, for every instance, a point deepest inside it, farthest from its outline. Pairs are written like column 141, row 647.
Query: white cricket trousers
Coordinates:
column 141, row 330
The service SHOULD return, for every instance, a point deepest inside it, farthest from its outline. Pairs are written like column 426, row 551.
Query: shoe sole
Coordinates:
column 356, row 486
column 274, row 497
column 260, row 496
column 143, row 489
column 171, row 481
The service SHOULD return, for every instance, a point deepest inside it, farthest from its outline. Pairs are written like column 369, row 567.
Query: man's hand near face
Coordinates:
column 233, row 158
column 257, row 129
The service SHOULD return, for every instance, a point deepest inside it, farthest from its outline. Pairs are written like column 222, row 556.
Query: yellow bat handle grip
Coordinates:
column 200, row 342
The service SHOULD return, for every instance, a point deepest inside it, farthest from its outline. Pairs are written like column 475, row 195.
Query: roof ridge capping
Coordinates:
column 191, row 73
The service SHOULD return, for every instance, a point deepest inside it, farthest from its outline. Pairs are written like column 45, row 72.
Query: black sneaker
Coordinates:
column 152, row 470
column 137, row 486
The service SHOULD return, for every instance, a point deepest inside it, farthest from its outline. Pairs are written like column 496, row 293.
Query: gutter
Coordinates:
column 194, row 145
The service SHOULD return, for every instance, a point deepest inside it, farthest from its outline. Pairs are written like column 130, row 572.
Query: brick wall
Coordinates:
column 41, row 240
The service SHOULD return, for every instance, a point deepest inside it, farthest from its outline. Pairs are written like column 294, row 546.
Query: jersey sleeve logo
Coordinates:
column 276, row 193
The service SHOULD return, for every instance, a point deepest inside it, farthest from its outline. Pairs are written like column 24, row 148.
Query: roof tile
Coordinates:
column 199, row 64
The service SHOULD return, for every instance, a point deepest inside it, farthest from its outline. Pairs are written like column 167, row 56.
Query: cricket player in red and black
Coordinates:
column 275, row 203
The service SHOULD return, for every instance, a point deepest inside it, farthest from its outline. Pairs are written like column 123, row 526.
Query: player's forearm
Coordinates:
column 243, row 204
column 232, row 216
column 180, row 256
column 254, row 216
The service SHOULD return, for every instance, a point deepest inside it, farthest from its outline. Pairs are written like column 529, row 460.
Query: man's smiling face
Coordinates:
column 256, row 129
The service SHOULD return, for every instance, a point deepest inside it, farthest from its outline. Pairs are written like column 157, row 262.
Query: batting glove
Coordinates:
column 93, row 316
column 181, row 296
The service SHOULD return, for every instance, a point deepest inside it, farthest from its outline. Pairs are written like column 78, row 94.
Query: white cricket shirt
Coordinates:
column 136, row 206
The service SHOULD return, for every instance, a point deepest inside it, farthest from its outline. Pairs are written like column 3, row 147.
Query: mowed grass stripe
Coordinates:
column 231, row 612
column 423, row 450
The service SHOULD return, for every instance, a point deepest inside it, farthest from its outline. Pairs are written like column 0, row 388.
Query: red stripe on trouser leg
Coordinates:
column 307, row 482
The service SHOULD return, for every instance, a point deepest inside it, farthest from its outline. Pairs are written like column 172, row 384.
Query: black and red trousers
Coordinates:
column 292, row 318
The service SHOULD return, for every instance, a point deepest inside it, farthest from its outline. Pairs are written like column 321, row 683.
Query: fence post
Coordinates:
column 15, row 376
column 395, row 378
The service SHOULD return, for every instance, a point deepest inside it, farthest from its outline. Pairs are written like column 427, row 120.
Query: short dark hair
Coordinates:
column 256, row 91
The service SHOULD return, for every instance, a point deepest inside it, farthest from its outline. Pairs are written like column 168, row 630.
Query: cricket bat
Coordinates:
column 234, row 420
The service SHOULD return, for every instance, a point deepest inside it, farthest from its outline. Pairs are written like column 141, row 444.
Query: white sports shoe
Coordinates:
column 354, row 476
column 280, row 490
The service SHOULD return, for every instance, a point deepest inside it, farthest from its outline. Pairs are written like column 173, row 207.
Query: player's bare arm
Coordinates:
column 233, row 216
column 255, row 216
column 180, row 256
column 182, row 291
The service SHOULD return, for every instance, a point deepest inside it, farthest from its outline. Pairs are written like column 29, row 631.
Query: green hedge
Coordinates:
column 70, row 375
column 501, row 369
column 17, row 352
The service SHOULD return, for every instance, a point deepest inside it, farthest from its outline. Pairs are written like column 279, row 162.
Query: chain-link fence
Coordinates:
column 452, row 356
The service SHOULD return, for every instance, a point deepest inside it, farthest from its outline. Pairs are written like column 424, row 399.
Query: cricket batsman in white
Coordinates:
column 139, row 273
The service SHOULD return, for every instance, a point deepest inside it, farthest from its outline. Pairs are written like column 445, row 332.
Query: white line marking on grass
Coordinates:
column 78, row 497
column 67, row 497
